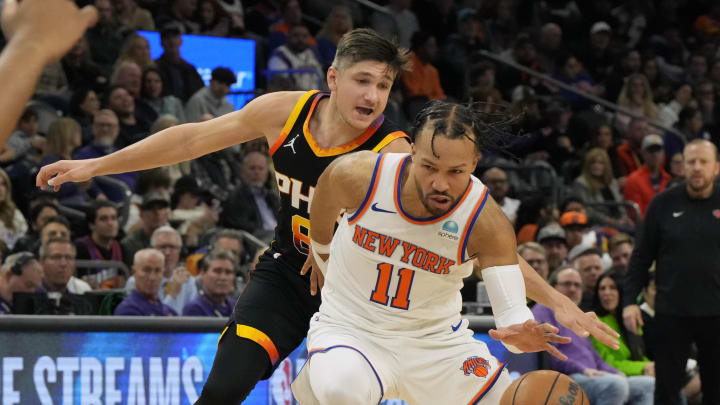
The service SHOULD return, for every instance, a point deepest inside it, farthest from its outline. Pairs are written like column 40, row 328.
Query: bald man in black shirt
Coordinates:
column 681, row 233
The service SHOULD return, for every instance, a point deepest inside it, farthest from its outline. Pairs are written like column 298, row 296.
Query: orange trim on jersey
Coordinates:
column 489, row 384
column 371, row 191
column 337, row 150
column 430, row 220
column 468, row 226
column 291, row 120
column 388, row 139
column 257, row 336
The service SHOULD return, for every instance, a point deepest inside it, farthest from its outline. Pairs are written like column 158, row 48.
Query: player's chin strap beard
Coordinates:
column 317, row 250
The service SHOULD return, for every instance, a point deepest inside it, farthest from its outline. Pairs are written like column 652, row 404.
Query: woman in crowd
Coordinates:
column 152, row 89
column 12, row 222
column 212, row 18
column 136, row 48
column 636, row 95
column 630, row 357
column 596, row 184
column 83, row 106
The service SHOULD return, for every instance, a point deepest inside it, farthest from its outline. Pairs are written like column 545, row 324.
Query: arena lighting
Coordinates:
column 206, row 53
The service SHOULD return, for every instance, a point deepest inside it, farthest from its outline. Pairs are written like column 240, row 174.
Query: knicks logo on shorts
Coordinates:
column 477, row 366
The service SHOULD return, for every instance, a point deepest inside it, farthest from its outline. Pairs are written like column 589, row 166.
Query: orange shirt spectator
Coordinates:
column 423, row 79
column 645, row 183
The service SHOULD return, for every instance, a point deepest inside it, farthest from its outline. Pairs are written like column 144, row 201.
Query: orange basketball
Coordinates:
column 544, row 387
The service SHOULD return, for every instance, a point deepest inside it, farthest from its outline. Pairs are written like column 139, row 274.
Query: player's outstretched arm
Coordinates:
column 38, row 32
column 492, row 241
column 263, row 116
column 566, row 312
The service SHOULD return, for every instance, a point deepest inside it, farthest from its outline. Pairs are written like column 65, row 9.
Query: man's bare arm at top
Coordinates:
column 264, row 116
column 38, row 32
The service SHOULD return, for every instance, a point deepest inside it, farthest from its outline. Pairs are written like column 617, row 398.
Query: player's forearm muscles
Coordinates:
column 536, row 288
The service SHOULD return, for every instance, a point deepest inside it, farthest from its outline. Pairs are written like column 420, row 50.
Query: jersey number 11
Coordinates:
column 380, row 293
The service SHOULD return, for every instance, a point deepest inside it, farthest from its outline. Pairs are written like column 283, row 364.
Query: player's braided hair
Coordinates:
column 490, row 124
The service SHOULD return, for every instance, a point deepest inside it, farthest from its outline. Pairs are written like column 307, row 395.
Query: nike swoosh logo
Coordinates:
column 378, row 209
column 677, row 214
column 456, row 327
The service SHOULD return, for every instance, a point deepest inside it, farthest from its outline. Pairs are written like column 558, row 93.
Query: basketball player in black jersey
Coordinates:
column 306, row 131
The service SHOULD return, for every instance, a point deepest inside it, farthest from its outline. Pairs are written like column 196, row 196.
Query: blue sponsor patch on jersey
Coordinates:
column 450, row 226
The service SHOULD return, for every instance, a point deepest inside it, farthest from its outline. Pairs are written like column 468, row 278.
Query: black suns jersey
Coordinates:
column 299, row 161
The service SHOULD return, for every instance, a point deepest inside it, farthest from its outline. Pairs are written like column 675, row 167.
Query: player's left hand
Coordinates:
column 531, row 336
column 317, row 279
column 585, row 324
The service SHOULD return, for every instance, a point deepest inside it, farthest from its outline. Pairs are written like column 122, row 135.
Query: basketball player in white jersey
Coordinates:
column 389, row 324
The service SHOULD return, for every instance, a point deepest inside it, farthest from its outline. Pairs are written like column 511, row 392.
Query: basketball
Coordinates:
column 544, row 387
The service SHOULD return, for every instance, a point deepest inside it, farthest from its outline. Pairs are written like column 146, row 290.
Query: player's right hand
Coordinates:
column 64, row 171
column 632, row 318
column 50, row 26
column 317, row 279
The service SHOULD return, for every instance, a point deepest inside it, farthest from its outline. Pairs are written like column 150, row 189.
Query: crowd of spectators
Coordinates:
column 575, row 184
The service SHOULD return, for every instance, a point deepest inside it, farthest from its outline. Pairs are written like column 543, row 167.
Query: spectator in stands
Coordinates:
column 589, row 264
column 669, row 113
column 84, row 104
column 423, row 80
column 705, row 94
column 39, row 214
column 636, row 96
column 21, row 273
column 57, row 227
column 12, row 222
column 603, row 384
column 132, row 17
column 57, row 257
column 603, row 137
column 105, row 132
column 79, row 69
column 496, row 180
column 65, row 136
column 179, row 77
column 253, row 206
column 629, row 153
column 397, row 22
column 212, row 99
column 690, row 125
column 152, row 93
column 535, row 255
column 575, row 224
column 128, row 75
column 552, row 238
column 650, row 179
column 213, row 18
column 226, row 239
column 102, row 244
column 177, row 287
column 217, row 272
column 21, row 141
column 550, row 46
column 455, row 55
column 597, row 184
column 570, row 71
column 714, row 76
column 105, row 38
column 620, row 249
column 154, row 213
column 280, row 31
column 696, row 70
column 148, row 267
column 180, row 14
column 630, row 63
column 154, row 180
column 337, row 23
column 136, row 49
column 483, row 86
column 296, row 54
column 630, row 357
column 597, row 56
column 193, row 215
column 133, row 127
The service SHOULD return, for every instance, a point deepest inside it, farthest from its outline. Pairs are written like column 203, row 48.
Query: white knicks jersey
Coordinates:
column 390, row 273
